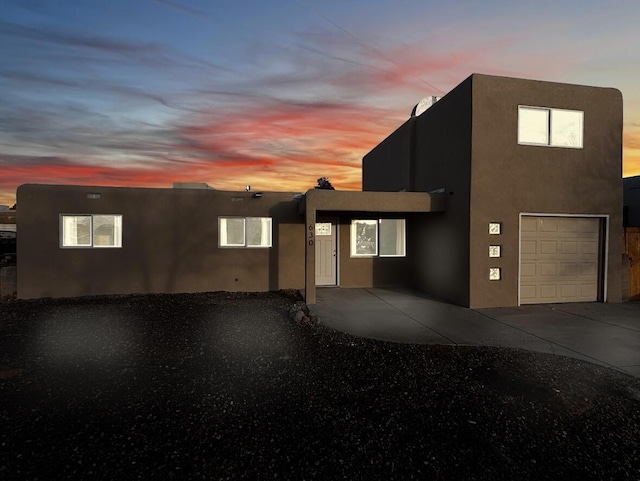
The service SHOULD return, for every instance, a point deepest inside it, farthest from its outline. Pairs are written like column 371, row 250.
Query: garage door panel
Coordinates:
column 568, row 269
column 568, row 226
column 568, row 291
column 527, row 269
column 548, row 247
column 548, row 291
column 549, row 224
column 568, row 247
column 547, row 269
column 529, row 224
column 587, row 292
column 528, row 247
column 528, row 293
column 559, row 259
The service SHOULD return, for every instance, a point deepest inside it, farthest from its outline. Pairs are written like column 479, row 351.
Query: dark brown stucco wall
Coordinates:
column 170, row 242
column 440, row 241
column 508, row 178
column 371, row 271
column 435, row 149
column 387, row 168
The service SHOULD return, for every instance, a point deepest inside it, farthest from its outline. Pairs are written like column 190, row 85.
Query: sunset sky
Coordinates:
column 271, row 93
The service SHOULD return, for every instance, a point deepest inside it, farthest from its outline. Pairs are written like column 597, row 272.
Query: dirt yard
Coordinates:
column 228, row 386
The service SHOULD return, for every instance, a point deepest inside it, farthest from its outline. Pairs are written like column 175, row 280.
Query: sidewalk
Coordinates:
column 605, row 334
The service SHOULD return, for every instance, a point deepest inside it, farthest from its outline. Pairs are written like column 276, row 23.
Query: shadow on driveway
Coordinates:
column 605, row 334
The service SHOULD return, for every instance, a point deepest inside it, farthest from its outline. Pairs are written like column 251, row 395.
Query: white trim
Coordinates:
column 335, row 227
column 605, row 267
column 337, row 231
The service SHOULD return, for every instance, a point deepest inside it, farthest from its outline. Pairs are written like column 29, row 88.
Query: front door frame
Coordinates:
column 335, row 227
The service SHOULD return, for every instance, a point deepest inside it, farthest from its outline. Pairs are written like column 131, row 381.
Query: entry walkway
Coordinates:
column 605, row 334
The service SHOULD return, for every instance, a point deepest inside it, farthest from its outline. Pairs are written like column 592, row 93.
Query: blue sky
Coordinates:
column 273, row 94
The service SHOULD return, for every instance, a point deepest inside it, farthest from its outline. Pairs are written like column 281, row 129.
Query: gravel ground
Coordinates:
column 228, row 386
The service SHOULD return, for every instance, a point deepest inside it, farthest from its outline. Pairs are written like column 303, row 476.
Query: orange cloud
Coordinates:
column 275, row 145
column 631, row 152
column 282, row 146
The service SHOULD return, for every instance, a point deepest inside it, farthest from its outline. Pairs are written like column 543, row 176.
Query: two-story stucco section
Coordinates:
column 534, row 176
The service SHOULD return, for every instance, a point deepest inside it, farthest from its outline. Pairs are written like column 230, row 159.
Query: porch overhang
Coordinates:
column 319, row 200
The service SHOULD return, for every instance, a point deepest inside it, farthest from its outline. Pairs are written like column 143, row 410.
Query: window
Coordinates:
column 382, row 237
column 91, row 230
column 553, row 127
column 231, row 231
column 392, row 239
column 244, row 231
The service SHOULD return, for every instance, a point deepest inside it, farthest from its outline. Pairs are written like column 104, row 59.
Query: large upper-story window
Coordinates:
column 378, row 237
column 551, row 127
column 244, row 231
column 88, row 230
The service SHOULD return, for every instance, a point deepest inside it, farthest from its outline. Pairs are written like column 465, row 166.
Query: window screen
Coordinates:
column 104, row 230
column 381, row 237
column 392, row 237
column 244, row 231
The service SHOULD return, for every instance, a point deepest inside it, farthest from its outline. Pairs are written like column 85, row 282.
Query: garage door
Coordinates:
column 559, row 259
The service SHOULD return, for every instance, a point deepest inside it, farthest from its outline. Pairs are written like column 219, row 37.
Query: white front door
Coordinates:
column 326, row 254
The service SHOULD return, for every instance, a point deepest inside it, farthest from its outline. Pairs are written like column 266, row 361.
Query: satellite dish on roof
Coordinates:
column 424, row 104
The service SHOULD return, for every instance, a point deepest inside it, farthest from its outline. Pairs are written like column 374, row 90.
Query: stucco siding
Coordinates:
column 509, row 179
column 169, row 243
column 442, row 161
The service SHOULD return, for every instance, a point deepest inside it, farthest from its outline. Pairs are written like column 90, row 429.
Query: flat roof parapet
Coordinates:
column 319, row 199
column 192, row 185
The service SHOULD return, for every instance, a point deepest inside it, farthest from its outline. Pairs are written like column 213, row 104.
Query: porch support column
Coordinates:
column 310, row 254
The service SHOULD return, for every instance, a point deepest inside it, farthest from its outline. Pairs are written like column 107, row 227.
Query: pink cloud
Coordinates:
column 281, row 145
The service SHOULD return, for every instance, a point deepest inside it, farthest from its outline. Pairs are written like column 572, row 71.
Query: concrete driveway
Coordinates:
column 605, row 334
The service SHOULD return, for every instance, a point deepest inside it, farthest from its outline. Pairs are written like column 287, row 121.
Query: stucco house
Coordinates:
column 504, row 192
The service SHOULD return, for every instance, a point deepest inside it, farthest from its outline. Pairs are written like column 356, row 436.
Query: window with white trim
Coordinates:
column 550, row 127
column 88, row 230
column 378, row 238
column 244, row 231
